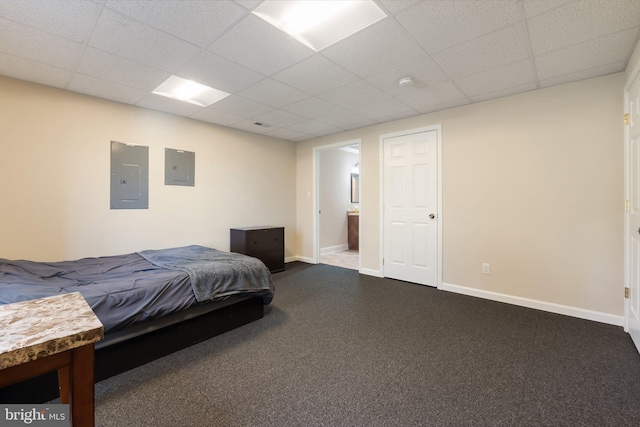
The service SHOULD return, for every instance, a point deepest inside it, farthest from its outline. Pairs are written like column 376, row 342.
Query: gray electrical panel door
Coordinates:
column 129, row 176
column 179, row 167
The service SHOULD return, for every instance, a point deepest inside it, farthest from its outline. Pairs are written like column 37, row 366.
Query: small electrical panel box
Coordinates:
column 129, row 176
column 179, row 167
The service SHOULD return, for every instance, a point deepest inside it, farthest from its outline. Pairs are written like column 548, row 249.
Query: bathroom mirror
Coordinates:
column 355, row 188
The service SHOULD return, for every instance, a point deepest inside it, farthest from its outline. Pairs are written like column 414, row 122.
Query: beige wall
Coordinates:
column 55, row 167
column 532, row 183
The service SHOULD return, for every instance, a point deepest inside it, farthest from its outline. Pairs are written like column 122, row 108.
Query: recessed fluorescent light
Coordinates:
column 319, row 24
column 189, row 91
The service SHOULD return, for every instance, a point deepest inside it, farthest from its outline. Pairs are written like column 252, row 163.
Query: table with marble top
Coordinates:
column 47, row 334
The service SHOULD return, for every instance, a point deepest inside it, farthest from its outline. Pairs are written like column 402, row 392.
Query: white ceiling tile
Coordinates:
column 395, row 6
column 313, row 127
column 439, row 25
column 290, row 135
column 107, row 90
column 355, row 95
column 315, row 75
column 132, row 40
column 380, row 110
column 420, row 98
column 118, row 70
column 346, row 119
column 311, row 108
column 272, row 92
column 251, row 126
column 501, row 78
column 505, row 92
column 484, row 53
column 583, row 75
column 71, row 19
column 596, row 53
column 198, row 22
column 536, row 7
column 217, row 117
column 215, row 71
column 26, row 69
column 424, row 71
column 445, row 106
column 328, row 132
column 260, row 46
column 167, row 105
column 397, row 116
column 376, row 48
column 241, row 107
column 581, row 21
column 29, row 43
column 351, row 126
column 249, row 4
column 279, row 118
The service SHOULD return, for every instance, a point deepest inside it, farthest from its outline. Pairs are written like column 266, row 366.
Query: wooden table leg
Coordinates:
column 64, row 383
column 82, row 406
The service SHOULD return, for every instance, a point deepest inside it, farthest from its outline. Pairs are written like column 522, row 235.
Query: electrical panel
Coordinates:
column 129, row 176
column 179, row 167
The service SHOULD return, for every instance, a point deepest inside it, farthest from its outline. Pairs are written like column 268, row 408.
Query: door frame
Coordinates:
column 438, row 129
column 628, row 259
column 627, row 186
column 316, row 189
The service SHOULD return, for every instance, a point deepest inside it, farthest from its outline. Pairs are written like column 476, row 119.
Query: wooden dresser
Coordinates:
column 264, row 243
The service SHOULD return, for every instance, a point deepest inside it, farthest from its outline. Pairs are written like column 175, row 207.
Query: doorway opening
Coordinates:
column 337, row 204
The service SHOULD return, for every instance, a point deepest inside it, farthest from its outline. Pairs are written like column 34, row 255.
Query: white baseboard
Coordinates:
column 333, row 249
column 538, row 305
column 370, row 272
column 299, row 258
column 566, row 310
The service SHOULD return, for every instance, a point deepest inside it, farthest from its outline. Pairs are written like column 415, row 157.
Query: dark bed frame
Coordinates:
column 134, row 346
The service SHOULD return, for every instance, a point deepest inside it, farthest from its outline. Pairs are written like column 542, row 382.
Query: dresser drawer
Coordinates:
column 274, row 260
column 264, row 240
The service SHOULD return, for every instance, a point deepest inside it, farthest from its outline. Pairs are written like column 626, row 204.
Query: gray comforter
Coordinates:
column 214, row 273
column 121, row 289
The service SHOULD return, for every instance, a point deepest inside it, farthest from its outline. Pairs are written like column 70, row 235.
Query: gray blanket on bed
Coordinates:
column 214, row 273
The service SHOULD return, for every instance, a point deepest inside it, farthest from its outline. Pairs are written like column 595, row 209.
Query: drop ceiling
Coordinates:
column 457, row 51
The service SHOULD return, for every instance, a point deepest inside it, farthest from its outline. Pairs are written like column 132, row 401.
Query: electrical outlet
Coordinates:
column 486, row 268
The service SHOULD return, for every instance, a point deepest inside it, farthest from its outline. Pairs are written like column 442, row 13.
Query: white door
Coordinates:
column 632, row 140
column 410, row 208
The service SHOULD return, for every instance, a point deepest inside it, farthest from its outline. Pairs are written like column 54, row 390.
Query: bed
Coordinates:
column 151, row 303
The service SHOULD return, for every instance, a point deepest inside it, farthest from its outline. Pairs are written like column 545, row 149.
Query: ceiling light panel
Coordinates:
column 319, row 24
column 189, row 91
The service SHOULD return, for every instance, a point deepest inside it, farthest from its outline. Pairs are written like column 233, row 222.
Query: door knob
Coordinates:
column 433, row 216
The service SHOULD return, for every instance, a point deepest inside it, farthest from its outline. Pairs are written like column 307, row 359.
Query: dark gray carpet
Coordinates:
column 339, row 349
